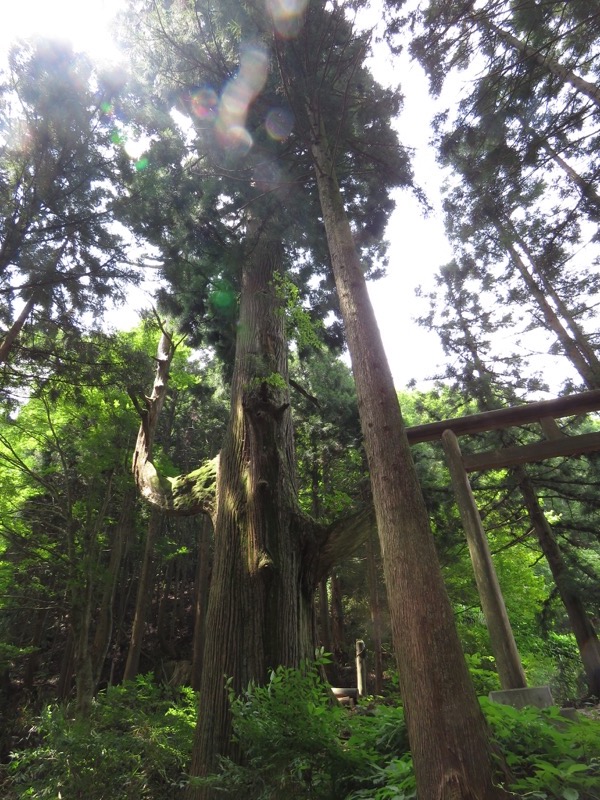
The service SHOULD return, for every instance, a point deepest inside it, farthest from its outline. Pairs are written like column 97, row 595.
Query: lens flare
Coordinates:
column 223, row 299
column 267, row 176
column 236, row 139
column 279, row 124
column 237, row 97
column 204, row 103
column 287, row 16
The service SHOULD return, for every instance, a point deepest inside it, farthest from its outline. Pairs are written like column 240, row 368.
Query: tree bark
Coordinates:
column 201, row 599
column 447, row 731
column 260, row 610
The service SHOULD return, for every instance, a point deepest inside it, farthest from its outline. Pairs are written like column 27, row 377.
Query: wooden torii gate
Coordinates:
column 555, row 444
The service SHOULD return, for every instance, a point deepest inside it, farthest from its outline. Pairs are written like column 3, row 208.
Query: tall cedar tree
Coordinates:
column 60, row 170
column 255, row 500
column 249, row 220
column 457, row 763
column 523, row 148
column 462, row 332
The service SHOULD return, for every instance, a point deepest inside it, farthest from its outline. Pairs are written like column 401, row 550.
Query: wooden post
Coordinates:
column 504, row 648
column 361, row 668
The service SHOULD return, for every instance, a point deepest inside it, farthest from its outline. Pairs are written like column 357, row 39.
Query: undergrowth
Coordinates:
column 296, row 743
column 135, row 744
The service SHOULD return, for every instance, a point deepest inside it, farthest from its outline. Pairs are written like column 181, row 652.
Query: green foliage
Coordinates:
column 289, row 734
column 483, row 673
column 136, row 744
column 381, row 735
column 555, row 660
column 548, row 755
column 296, row 743
column 299, row 324
column 394, row 781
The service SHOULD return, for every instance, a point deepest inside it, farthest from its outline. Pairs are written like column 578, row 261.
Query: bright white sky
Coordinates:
column 418, row 246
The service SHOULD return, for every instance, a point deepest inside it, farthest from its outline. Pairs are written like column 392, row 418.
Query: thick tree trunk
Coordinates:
column 447, row 731
column 143, row 597
column 585, row 635
column 260, row 610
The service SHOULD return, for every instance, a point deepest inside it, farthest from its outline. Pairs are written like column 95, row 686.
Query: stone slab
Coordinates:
column 537, row 696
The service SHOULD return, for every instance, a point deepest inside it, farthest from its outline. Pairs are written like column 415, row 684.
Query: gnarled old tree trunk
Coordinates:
column 260, row 610
column 268, row 556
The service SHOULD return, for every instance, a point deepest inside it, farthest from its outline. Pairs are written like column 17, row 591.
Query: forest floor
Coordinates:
column 593, row 712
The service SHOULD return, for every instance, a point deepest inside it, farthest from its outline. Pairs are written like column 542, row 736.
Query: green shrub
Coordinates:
column 555, row 660
column 135, row 744
column 289, row 735
column 549, row 756
column 298, row 743
column 483, row 673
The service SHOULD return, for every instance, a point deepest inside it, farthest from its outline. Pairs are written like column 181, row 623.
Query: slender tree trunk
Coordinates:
column 14, row 330
column 65, row 678
column 551, row 318
column 260, row 610
column 586, row 189
column 35, row 640
column 338, row 633
column 447, row 731
column 588, row 89
column 375, row 609
column 584, row 348
column 585, row 635
column 324, row 626
column 164, row 605
column 104, row 623
column 324, row 617
column 201, row 599
column 143, row 596
column 81, row 619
